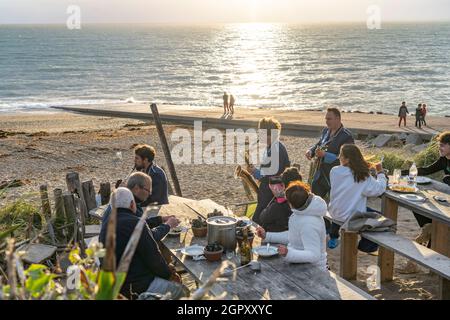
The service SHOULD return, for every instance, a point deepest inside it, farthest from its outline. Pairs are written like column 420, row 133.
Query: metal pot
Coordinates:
column 222, row 230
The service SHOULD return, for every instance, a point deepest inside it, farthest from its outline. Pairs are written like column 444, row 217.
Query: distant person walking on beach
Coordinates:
column 419, row 116
column 231, row 106
column 225, row 103
column 424, row 113
column 402, row 112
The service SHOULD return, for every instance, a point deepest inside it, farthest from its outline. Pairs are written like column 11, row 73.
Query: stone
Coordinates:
column 382, row 140
column 419, row 148
column 414, row 138
column 395, row 144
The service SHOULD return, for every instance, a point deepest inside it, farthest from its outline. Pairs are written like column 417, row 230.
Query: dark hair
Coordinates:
column 145, row 152
column 444, row 137
column 335, row 111
column 356, row 162
column 403, row 102
column 291, row 174
column 420, row 105
column 297, row 194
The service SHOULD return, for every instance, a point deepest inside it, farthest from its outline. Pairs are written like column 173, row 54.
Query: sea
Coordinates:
column 279, row 66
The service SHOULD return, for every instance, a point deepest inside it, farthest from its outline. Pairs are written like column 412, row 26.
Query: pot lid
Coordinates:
column 221, row 221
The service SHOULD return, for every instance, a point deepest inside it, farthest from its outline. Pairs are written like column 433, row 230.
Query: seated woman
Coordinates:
column 443, row 163
column 306, row 237
column 351, row 185
column 275, row 217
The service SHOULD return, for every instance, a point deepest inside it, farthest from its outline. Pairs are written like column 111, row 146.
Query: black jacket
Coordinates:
column 441, row 164
column 160, row 186
column 333, row 148
column 275, row 217
column 147, row 262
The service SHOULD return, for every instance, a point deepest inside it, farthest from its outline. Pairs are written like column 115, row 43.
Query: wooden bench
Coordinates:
column 410, row 249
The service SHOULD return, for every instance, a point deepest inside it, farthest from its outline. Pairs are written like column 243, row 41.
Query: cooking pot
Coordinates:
column 222, row 230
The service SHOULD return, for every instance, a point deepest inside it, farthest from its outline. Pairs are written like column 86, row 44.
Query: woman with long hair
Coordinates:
column 351, row 185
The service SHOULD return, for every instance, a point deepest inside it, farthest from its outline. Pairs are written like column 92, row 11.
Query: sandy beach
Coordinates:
column 42, row 148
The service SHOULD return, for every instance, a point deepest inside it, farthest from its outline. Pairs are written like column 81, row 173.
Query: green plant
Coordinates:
column 20, row 213
column 198, row 223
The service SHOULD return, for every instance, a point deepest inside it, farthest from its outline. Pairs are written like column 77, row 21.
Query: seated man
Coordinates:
column 140, row 185
column 144, row 162
column 148, row 271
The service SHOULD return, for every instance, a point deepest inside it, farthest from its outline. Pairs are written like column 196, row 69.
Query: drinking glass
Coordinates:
column 396, row 176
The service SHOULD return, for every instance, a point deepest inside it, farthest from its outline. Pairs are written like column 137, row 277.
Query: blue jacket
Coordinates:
column 160, row 189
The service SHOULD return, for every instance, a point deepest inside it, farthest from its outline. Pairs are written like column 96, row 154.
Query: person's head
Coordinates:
column 333, row 118
column 350, row 156
column 424, row 105
column 272, row 126
column 444, row 144
column 403, row 103
column 290, row 174
column 143, row 156
column 297, row 194
column 140, row 185
column 419, row 106
column 124, row 199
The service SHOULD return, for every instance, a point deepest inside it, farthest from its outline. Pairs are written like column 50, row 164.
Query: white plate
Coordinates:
column 423, row 180
column 192, row 251
column 413, row 197
column 263, row 251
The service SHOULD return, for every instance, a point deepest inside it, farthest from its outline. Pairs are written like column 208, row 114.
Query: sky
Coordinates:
column 221, row 11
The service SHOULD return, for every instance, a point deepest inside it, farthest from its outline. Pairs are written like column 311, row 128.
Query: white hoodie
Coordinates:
column 348, row 196
column 306, row 236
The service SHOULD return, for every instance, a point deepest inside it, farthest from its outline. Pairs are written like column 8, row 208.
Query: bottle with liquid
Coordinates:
column 245, row 248
column 413, row 175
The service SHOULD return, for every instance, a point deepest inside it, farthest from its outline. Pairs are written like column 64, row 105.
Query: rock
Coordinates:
column 409, row 147
column 395, row 144
column 414, row 138
column 419, row 148
column 401, row 136
column 382, row 140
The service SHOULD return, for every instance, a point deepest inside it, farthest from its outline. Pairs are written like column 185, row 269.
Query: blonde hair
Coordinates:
column 269, row 123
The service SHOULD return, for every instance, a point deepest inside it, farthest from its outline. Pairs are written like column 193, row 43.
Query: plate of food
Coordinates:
column 193, row 251
column 266, row 251
column 176, row 231
column 413, row 197
column 423, row 180
column 403, row 188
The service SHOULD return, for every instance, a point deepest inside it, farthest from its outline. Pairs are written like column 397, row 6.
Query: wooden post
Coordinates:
column 89, row 195
column 169, row 185
column 105, row 192
column 109, row 262
column 79, row 227
column 74, row 186
column 69, row 209
column 386, row 257
column 349, row 255
column 60, row 213
column 440, row 242
column 47, row 211
column 165, row 147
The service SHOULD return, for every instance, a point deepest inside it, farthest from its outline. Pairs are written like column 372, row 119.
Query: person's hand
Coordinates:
column 174, row 276
column 260, row 232
column 320, row 153
column 379, row 167
column 172, row 222
column 282, row 250
column 166, row 218
column 308, row 155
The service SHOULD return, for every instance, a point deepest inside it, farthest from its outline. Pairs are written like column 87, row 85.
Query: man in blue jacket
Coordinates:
column 144, row 156
column 327, row 149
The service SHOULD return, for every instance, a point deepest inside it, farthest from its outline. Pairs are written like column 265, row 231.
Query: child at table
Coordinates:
column 306, row 237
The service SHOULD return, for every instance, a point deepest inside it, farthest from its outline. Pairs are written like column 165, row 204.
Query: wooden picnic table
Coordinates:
column 277, row 279
column 438, row 212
